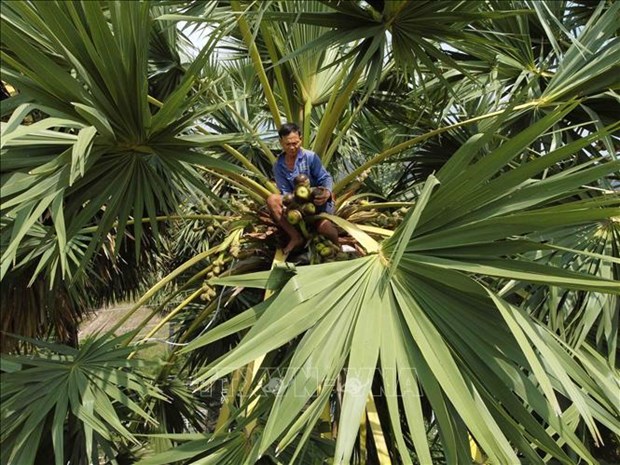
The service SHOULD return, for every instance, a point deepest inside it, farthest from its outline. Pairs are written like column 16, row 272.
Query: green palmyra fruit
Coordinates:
column 302, row 180
column 325, row 251
column 288, row 199
column 308, row 209
column 294, row 216
column 302, row 193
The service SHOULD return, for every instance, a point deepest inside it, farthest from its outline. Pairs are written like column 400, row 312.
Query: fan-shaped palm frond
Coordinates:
column 473, row 146
column 67, row 402
column 113, row 147
column 415, row 311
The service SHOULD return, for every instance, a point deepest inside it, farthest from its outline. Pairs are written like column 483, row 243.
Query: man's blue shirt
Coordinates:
column 307, row 163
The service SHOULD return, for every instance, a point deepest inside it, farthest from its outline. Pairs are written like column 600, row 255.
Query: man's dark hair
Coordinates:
column 288, row 128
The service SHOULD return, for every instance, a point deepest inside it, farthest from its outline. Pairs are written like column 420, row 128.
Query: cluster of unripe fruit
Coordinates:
column 299, row 204
column 208, row 292
column 324, row 248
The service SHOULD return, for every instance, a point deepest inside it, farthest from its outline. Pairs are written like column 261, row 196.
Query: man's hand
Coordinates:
column 322, row 196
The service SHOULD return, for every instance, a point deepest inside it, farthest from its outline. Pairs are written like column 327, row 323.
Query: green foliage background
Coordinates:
column 474, row 148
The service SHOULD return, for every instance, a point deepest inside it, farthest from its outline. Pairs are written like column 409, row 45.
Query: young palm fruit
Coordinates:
column 308, row 209
column 302, row 193
column 294, row 216
column 288, row 199
column 302, row 180
column 325, row 251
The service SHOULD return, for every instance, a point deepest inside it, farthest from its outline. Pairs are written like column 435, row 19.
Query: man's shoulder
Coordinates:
column 309, row 154
column 279, row 159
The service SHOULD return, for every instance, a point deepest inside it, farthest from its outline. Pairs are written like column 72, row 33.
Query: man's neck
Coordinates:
column 291, row 158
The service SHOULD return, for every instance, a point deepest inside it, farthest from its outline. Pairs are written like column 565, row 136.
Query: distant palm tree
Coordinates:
column 474, row 147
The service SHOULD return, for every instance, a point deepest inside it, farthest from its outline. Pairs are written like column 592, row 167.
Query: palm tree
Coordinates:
column 474, row 150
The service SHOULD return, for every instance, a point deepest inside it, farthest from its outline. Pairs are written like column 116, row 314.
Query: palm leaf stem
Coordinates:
column 224, row 415
column 375, row 230
column 168, row 298
column 363, row 440
column 266, row 150
column 169, row 317
column 273, row 54
column 333, row 111
column 415, row 140
column 253, row 367
column 248, row 38
column 368, row 243
column 250, row 187
column 196, row 322
column 163, row 282
column 343, row 130
column 382, row 205
column 377, row 432
column 307, row 123
column 180, row 342
column 153, row 101
column 249, row 165
column 92, row 229
column 244, row 161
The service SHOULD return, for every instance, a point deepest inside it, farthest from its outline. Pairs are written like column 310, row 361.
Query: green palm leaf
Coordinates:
column 127, row 161
column 436, row 307
column 65, row 391
column 489, row 315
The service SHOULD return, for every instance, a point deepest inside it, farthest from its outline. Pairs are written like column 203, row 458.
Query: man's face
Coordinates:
column 291, row 143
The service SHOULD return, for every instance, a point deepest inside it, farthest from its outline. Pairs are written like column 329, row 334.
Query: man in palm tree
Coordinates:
column 293, row 161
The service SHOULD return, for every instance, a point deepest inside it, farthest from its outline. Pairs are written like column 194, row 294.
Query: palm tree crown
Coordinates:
column 472, row 314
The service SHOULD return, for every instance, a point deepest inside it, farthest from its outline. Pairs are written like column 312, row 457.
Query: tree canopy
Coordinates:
column 474, row 148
